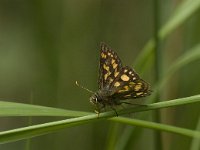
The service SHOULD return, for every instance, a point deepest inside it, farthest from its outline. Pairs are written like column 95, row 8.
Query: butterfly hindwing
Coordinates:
column 128, row 85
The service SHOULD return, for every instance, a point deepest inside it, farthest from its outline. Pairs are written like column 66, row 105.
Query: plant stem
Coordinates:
column 158, row 64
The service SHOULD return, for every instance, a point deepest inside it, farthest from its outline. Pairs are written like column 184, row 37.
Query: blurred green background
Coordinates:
column 45, row 46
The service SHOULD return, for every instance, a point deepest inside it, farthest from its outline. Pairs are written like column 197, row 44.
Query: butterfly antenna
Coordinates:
column 83, row 87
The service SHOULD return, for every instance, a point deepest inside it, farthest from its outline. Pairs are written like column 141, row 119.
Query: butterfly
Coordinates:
column 116, row 82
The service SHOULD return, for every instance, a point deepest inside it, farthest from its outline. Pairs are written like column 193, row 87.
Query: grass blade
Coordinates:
column 182, row 13
column 19, row 109
column 36, row 130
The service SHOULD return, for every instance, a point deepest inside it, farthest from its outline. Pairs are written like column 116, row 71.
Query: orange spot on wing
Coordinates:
column 106, row 67
column 112, row 61
column 116, row 73
column 117, row 84
column 137, row 87
column 124, row 77
column 140, row 93
column 115, row 65
column 105, row 76
column 103, row 55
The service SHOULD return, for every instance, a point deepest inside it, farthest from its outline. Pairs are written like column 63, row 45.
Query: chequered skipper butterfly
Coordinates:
column 116, row 82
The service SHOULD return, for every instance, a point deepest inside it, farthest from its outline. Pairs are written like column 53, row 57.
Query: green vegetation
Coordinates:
column 47, row 46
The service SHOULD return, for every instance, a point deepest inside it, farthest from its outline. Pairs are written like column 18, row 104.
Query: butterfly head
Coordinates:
column 93, row 99
column 97, row 100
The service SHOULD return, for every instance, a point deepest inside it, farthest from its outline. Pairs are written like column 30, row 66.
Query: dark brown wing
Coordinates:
column 128, row 85
column 109, row 67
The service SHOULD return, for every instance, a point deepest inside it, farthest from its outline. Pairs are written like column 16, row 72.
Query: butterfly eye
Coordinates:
column 93, row 99
column 96, row 100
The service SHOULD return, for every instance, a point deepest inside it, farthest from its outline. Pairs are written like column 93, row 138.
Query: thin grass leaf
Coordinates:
column 36, row 130
column 195, row 145
column 158, row 142
column 19, row 109
column 111, row 139
column 184, row 11
column 158, row 126
column 188, row 57
column 125, row 138
column 181, row 14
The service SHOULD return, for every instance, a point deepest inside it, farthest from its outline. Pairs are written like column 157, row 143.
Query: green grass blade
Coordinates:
column 158, row 142
column 158, row 126
column 125, row 138
column 195, row 145
column 36, row 130
column 23, row 109
column 190, row 56
column 111, row 139
column 19, row 109
column 182, row 13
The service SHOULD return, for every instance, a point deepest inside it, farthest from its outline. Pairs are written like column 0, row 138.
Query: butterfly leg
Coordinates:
column 97, row 112
column 121, row 104
column 98, row 109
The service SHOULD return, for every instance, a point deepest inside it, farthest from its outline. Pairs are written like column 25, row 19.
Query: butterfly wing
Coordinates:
column 109, row 67
column 120, row 82
column 128, row 85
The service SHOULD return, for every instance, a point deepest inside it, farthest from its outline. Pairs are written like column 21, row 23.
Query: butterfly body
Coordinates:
column 116, row 82
column 104, row 98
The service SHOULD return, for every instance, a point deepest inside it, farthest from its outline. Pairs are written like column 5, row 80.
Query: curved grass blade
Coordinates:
column 36, row 130
column 181, row 14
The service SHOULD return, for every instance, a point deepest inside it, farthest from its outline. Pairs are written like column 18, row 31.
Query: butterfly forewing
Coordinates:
column 110, row 65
